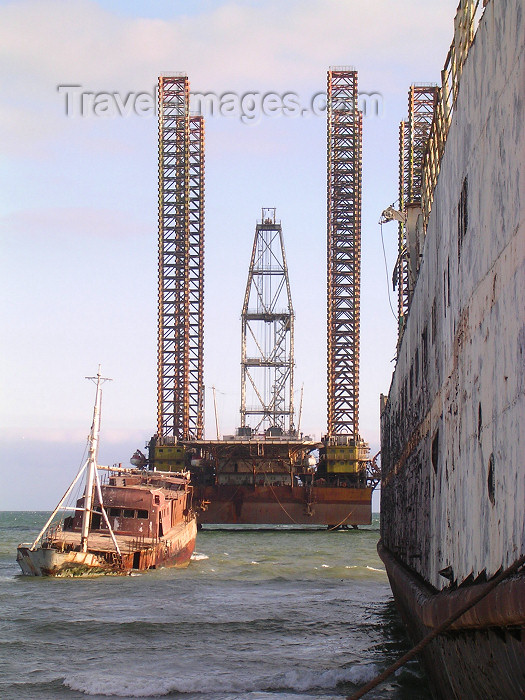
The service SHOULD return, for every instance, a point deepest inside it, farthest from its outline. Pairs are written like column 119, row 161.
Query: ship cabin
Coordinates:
column 142, row 506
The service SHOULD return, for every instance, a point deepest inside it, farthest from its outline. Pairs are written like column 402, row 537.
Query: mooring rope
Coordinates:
column 334, row 527
column 279, row 502
column 439, row 630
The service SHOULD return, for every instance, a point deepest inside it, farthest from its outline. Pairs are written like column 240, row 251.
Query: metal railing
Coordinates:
column 468, row 14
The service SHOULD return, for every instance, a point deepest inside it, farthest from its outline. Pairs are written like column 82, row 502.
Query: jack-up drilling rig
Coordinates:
column 267, row 472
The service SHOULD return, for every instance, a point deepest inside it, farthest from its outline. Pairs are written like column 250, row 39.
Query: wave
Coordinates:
column 199, row 557
column 297, row 680
column 149, row 687
column 302, row 680
column 370, row 568
column 132, row 631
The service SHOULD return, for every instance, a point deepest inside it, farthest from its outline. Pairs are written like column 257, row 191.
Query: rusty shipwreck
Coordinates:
column 452, row 426
column 128, row 519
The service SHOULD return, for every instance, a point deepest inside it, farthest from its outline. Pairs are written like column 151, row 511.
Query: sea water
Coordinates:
column 260, row 614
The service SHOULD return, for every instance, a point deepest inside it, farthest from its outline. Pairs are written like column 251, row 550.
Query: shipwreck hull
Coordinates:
column 53, row 562
column 62, row 559
column 284, row 505
column 482, row 655
column 174, row 550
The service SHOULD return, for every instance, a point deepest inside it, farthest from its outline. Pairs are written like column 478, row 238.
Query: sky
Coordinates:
column 78, row 204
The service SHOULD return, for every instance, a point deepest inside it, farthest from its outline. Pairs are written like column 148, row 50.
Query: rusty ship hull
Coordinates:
column 452, row 426
column 482, row 654
column 127, row 519
column 62, row 557
column 285, row 505
column 152, row 524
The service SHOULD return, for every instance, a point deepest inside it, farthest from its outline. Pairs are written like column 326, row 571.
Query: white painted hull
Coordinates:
column 453, row 488
column 52, row 562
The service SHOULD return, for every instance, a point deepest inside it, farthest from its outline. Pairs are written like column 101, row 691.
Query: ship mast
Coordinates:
column 92, row 462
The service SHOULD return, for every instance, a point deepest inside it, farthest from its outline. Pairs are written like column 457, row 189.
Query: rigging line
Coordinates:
column 104, row 513
column 512, row 569
column 386, row 271
column 83, row 460
column 61, row 503
column 279, row 502
column 79, row 489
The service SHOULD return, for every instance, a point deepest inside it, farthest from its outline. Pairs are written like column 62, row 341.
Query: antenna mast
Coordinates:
column 91, row 461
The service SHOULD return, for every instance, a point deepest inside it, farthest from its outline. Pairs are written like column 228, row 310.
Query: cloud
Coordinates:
column 267, row 46
column 235, row 46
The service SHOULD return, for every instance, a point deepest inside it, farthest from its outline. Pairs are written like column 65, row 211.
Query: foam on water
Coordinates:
column 197, row 556
column 306, row 679
column 148, row 687
column 297, row 680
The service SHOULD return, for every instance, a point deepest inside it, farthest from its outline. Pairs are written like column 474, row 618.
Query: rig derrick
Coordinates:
column 413, row 139
column 267, row 350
